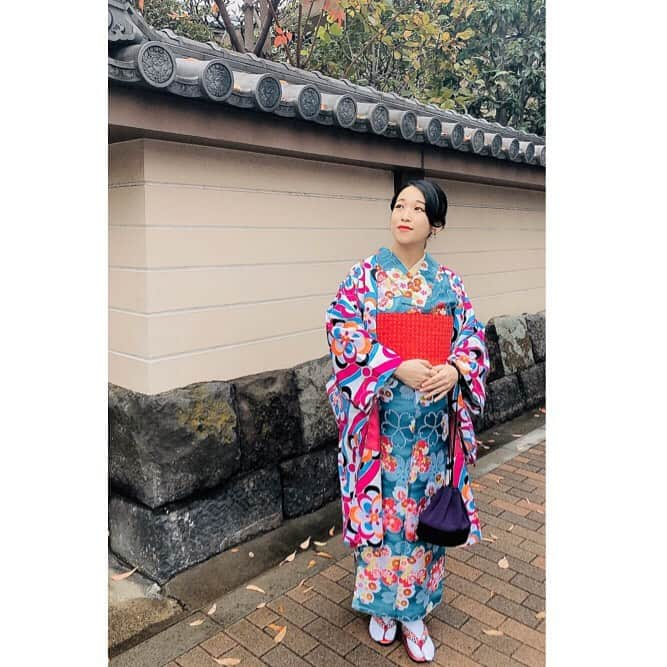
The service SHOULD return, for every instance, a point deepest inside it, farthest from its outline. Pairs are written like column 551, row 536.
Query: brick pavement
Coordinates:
column 313, row 601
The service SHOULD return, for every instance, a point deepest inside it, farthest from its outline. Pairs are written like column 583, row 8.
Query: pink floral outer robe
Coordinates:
column 362, row 367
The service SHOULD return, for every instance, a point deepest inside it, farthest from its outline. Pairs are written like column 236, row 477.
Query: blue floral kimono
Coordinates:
column 392, row 438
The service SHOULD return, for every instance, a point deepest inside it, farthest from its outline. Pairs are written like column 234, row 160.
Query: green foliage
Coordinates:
column 188, row 18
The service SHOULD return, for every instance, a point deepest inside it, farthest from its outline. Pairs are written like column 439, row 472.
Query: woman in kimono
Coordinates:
column 392, row 417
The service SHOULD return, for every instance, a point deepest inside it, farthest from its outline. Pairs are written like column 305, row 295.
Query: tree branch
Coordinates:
column 231, row 30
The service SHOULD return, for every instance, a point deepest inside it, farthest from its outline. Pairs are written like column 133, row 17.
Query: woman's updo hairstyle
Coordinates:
column 434, row 197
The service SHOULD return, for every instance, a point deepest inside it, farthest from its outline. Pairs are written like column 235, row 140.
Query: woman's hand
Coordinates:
column 439, row 384
column 414, row 371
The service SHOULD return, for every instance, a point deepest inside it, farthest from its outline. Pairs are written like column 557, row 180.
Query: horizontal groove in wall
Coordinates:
column 334, row 228
column 151, row 360
column 289, row 299
column 324, row 261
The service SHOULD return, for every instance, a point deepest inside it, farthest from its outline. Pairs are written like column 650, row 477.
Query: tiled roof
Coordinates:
column 159, row 59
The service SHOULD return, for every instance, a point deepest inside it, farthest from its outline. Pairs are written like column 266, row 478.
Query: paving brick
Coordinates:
column 323, row 656
column 281, row 656
column 450, row 615
column 469, row 588
column 358, row 628
column 292, row 611
column 347, row 581
column 532, row 535
column 449, row 658
column 479, row 611
column 526, row 568
column 363, row 656
column 534, row 602
column 497, row 522
column 510, row 507
column 334, row 573
column 462, row 570
column 491, row 567
column 452, row 637
column 539, row 562
column 533, row 547
column 300, row 594
column 461, row 553
column 196, row 657
column 529, row 656
column 523, row 633
column 218, row 644
column 262, row 617
column 529, row 584
column 332, row 636
column 295, row 639
column 538, row 477
column 347, row 563
column 513, row 610
column 250, row 637
column 519, row 520
column 247, row 659
column 327, row 609
column 329, row 589
column 485, row 655
column 502, row 644
column 502, row 587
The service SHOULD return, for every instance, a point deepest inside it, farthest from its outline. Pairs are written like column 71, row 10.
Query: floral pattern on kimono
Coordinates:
column 363, row 372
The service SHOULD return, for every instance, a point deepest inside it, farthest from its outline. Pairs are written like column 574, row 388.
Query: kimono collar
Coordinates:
column 388, row 260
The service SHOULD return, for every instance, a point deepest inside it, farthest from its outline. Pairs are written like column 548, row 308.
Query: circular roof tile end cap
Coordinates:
column 528, row 148
column 543, row 156
column 308, row 102
column 345, row 111
column 408, row 125
column 496, row 145
column 379, row 118
column 455, row 134
column 512, row 148
column 475, row 137
column 268, row 92
column 216, row 80
column 433, row 131
column 156, row 64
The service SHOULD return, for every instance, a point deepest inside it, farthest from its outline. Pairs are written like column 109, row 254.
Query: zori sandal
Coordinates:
column 382, row 629
column 424, row 644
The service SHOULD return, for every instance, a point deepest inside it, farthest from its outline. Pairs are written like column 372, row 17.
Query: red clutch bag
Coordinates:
column 417, row 335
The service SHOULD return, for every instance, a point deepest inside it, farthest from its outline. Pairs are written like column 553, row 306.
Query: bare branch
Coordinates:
column 231, row 30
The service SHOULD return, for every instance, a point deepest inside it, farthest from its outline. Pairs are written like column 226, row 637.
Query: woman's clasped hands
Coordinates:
column 421, row 375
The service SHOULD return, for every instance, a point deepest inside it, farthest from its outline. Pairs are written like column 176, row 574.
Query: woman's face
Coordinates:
column 409, row 223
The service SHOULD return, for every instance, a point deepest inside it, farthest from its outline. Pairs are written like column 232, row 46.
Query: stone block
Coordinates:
column 533, row 385
column 504, row 400
column 309, row 481
column 536, row 324
column 165, row 541
column 166, row 446
column 516, row 349
column 317, row 420
column 269, row 418
column 493, row 349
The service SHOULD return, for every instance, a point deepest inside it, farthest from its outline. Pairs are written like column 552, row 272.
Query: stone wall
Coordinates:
column 196, row 470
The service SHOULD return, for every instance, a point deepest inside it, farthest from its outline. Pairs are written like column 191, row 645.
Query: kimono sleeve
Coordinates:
column 361, row 365
column 469, row 351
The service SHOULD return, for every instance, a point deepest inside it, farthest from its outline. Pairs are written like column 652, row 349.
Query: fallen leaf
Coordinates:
column 288, row 559
column 541, row 615
column 302, row 582
column 494, row 633
column 516, row 435
column 199, row 621
column 509, row 530
column 275, row 627
column 331, row 531
column 281, row 635
column 212, row 609
column 123, row 575
column 306, row 589
column 306, row 544
column 503, row 563
column 496, row 433
column 311, row 563
column 536, row 415
column 281, row 610
column 487, row 539
column 251, row 554
column 319, row 544
column 261, row 605
column 476, row 485
column 498, row 480
column 324, row 554
column 491, row 441
column 495, row 537
column 485, row 447
column 228, row 661
column 252, row 587
column 234, row 550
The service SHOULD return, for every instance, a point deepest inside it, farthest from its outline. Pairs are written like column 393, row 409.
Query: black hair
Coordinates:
column 434, row 198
